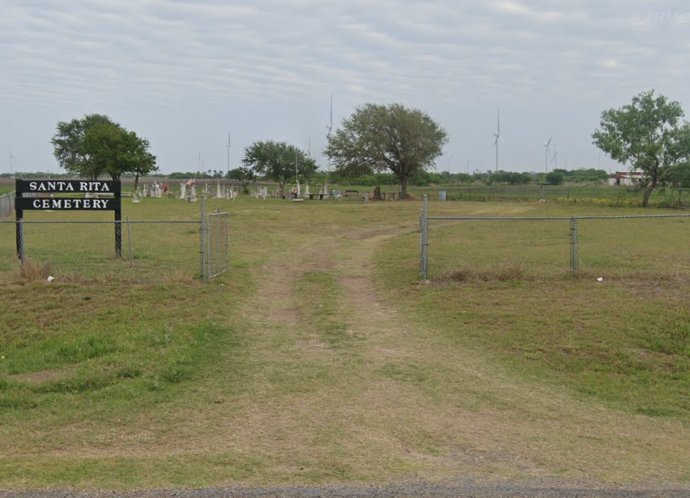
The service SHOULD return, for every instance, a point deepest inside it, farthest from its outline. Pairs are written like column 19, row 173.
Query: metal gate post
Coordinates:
column 424, row 239
column 573, row 246
column 202, row 243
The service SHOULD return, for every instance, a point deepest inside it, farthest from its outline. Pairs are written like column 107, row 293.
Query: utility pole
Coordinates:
column 228, row 146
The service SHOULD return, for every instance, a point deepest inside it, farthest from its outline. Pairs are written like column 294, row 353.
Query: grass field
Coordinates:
column 320, row 358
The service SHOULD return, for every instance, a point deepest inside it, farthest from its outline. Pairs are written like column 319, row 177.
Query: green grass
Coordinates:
column 505, row 288
column 322, row 296
column 320, row 358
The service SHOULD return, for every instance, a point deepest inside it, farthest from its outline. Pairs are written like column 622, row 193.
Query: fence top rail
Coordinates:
column 107, row 222
column 554, row 218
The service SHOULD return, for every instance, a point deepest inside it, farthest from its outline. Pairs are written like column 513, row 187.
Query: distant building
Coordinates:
column 626, row 178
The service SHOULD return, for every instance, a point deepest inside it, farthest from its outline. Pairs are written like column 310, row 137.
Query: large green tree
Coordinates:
column 95, row 145
column 278, row 161
column 648, row 135
column 386, row 137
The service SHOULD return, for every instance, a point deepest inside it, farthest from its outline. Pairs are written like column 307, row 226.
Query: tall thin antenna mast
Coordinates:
column 228, row 146
column 329, row 126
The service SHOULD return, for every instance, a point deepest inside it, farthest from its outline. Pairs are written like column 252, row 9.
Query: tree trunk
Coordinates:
column 403, row 187
column 136, row 181
column 647, row 193
column 651, row 185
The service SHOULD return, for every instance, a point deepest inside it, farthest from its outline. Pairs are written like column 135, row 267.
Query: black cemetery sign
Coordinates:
column 68, row 195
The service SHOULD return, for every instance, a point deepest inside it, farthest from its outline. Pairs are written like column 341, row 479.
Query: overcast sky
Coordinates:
column 185, row 73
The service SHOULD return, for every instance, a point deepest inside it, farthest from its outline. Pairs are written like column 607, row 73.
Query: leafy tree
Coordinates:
column 509, row 177
column 588, row 175
column 245, row 175
column 278, row 161
column 647, row 134
column 679, row 175
column 94, row 145
column 380, row 138
column 555, row 177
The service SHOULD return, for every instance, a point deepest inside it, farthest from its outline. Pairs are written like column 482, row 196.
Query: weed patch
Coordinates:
column 32, row 270
column 499, row 275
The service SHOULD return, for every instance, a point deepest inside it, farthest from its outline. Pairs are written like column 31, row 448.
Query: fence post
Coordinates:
column 424, row 239
column 573, row 246
column 20, row 240
column 202, row 242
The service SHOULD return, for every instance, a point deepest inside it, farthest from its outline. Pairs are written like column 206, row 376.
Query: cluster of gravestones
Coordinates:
column 190, row 193
column 152, row 190
column 260, row 193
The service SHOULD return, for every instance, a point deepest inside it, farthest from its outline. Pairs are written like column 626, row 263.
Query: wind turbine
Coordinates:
column 546, row 154
column 497, row 136
column 11, row 161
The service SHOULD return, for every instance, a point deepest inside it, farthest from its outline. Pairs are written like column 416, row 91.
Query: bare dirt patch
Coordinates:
column 42, row 376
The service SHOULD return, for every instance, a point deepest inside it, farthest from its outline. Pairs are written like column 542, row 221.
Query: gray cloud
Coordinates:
column 183, row 73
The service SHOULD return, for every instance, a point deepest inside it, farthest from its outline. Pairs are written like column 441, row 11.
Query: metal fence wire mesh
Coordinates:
column 624, row 246
column 216, row 244
column 77, row 246
column 79, row 250
column 6, row 205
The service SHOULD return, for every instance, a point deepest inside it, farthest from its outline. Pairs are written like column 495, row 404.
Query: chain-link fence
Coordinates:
column 215, row 244
column 648, row 246
column 597, row 194
column 6, row 205
column 82, row 248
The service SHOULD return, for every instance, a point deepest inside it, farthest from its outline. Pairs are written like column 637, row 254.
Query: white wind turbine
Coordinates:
column 497, row 136
column 546, row 154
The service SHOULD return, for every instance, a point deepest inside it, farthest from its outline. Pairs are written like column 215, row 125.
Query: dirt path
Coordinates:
column 395, row 401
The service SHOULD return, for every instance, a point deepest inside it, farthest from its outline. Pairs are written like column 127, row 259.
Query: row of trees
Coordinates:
column 647, row 134
column 375, row 138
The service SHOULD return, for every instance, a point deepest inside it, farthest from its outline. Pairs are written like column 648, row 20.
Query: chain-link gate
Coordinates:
column 215, row 243
column 6, row 205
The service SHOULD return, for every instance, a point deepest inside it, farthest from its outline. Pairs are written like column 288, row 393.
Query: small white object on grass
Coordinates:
column 600, row 279
column 50, row 278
